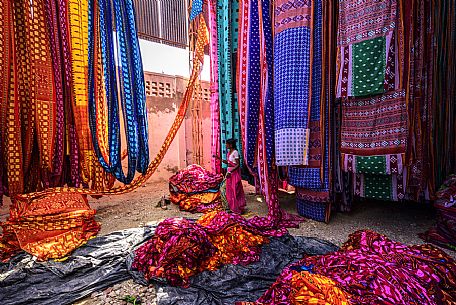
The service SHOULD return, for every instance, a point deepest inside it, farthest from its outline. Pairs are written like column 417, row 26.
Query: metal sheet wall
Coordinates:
column 163, row 21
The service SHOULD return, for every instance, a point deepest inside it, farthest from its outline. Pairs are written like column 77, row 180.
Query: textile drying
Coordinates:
column 444, row 233
column 183, row 248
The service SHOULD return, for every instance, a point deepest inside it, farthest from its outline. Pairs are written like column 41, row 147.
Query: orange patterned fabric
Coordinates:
column 234, row 242
column 201, row 202
column 48, row 227
column 91, row 170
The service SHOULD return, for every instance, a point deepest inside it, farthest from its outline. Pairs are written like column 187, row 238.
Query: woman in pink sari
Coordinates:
column 234, row 189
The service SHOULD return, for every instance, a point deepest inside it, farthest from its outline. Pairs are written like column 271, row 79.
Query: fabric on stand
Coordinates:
column 444, row 233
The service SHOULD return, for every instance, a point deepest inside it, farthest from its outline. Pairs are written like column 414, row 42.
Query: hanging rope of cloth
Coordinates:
column 202, row 41
column 125, row 84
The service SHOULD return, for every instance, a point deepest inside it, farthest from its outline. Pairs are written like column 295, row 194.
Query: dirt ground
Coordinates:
column 399, row 221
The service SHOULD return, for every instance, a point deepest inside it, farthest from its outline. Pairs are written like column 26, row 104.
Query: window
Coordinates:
column 163, row 21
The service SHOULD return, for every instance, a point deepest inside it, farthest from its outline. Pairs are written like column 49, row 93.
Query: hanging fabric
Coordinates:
column 126, row 86
column 215, row 106
column 227, row 28
column 198, row 59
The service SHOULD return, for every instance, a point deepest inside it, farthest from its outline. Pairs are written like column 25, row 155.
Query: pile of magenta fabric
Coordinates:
column 182, row 248
column 196, row 190
column 368, row 269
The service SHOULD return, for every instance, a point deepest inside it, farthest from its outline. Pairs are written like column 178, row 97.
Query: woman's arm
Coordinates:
column 234, row 166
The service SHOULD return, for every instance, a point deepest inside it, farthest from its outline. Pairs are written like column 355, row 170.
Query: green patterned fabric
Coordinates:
column 378, row 187
column 227, row 31
column 369, row 65
column 371, row 165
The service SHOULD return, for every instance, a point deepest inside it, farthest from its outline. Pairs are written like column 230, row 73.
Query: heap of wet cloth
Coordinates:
column 182, row 248
column 196, row 190
column 368, row 269
column 444, row 233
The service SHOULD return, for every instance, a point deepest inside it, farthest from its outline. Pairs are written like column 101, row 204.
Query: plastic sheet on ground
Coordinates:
column 234, row 283
column 95, row 266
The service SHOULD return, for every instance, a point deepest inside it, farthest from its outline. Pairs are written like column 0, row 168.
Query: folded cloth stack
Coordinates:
column 48, row 227
column 368, row 269
column 444, row 233
column 182, row 248
column 195, row 189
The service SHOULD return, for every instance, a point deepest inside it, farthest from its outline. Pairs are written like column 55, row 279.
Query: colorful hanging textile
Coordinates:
column 215, row 106
column 48, row 228
column 182, row 248
column 197, row 8
column 91, row 170
column 375, row 126
column 202, row 41
column 380, row 187
column 227, row 27
column 127, row 85
column 292, row 80
column 380, row 165
column 366, row 48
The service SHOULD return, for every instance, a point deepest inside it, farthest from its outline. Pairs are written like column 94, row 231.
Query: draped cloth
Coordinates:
column 215, row 106
column 368, row 269
column 182, row 248
column 125, row 84
column 202, row 41
column 227, row 26
column 292, row 80
column 255, row 45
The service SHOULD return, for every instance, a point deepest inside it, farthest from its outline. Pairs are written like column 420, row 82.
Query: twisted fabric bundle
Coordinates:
column 131, row 92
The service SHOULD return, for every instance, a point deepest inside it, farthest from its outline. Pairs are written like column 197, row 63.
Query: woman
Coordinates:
column 234, row 190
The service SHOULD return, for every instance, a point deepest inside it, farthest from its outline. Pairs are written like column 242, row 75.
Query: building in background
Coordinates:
column 163, row 30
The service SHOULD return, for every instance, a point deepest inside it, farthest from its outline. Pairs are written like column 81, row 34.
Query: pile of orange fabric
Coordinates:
column 49, row 227
column 195, row 189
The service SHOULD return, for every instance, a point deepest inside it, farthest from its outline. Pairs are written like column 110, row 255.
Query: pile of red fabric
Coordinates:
column 195, row 189
column 368, row 269
column 182, row 248
column 444, row 233
column 48, row 227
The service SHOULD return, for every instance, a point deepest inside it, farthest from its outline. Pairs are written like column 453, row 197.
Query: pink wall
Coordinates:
column 164, row 96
